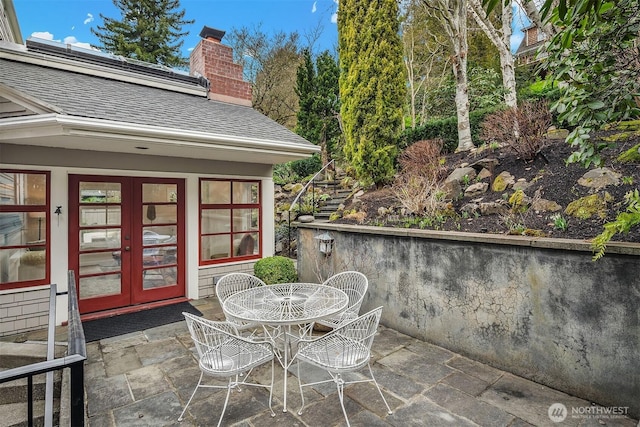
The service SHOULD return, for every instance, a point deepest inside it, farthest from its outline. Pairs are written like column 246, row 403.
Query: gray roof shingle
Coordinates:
column 89, row 96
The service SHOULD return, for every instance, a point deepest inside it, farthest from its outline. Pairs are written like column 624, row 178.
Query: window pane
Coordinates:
column 246, row 244
column 100, row 192
column 245, row 192
column 21, row 264
column 23, row 228
column 23, row 188
column 215, row 192
column 215, row 221
column 215, row 247
column 159, row 214
column 100, row 215
column 245, row 220
column 159, row 193
column 99, row 239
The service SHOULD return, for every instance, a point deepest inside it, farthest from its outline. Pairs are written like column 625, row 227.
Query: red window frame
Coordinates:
column 232, row 233
column 46, row 209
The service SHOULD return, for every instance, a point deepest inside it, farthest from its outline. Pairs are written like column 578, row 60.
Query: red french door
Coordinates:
column 126, row 240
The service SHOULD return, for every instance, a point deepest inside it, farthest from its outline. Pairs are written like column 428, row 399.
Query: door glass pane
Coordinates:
column 215, row 221
column 158, row 235
column 245, row 192
column 97, row 286
column 100, row 215
column 100, row 262
column 245, row 219
column 158, row 277
column 159, row 193
column 100, row 192
column 215, row 192
column 159, row 214
column 214, row 247
column 99, row 239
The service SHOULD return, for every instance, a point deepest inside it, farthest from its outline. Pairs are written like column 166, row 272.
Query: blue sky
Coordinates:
column 69, row 21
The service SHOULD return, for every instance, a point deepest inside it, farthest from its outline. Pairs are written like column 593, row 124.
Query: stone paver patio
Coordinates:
column 145, row 378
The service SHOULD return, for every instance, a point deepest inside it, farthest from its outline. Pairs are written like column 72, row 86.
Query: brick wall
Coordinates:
column 213, row 60
column 23, row 310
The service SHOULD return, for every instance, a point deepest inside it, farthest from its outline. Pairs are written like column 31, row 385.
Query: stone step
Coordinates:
column 16, row 391
column 15, row 414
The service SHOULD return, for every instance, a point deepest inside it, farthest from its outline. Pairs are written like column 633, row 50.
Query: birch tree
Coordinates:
column 453, row 17
column 501, row 39
column 426, row 58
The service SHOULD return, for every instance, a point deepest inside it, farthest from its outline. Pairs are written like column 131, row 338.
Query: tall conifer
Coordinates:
column 149, row 30
column 372, row 86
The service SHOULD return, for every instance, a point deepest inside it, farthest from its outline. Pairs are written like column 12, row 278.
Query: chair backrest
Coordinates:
column 361, row 330
column 231, row 283
column 354, row 284
column 208, row 334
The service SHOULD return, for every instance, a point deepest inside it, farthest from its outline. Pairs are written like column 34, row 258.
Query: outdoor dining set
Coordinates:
column 269, row 323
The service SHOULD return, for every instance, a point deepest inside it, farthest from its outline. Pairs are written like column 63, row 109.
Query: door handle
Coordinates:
column 127, row 248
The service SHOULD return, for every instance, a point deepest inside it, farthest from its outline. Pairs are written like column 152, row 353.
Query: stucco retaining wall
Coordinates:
column 539, row 308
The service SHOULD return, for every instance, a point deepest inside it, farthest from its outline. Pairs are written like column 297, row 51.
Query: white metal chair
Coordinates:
column 231, row 283
column 355, row 285
column 223, row 353
column 345, row 349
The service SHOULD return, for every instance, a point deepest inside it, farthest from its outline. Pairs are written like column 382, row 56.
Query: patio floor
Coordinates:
column 145, row 378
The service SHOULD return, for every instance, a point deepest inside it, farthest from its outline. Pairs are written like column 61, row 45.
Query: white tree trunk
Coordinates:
column 453, row 15
column 502, row 41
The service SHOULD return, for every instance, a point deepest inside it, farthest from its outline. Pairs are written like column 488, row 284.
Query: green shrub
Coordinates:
column 307, row 167
column 447, row 130
column 275, row 269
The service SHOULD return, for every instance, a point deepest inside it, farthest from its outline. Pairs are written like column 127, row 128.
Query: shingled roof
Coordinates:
column 99, row 96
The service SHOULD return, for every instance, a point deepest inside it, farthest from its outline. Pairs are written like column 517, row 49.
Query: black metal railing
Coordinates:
column 74, row 360
column 295, row 205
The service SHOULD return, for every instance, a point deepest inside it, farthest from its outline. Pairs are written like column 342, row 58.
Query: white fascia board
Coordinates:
column 51, row 61
column 51, row 125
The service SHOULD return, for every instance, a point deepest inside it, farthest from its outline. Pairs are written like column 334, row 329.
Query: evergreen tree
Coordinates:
column 150, row 31
column 372, row 86
column 318, row 92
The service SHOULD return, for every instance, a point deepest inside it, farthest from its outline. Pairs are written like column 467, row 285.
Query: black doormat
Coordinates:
column 108, row 327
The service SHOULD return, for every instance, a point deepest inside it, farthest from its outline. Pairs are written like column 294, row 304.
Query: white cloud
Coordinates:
column 314, row 7
column 43, row 35
column 334, row 18
column 88, row 19
column 74, row 42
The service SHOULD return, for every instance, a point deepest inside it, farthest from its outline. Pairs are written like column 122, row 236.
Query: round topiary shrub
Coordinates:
column 276, row 269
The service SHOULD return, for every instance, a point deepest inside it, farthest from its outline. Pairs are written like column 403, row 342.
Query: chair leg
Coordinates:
column 340, row 384
column 273, row 361
column 389, row 411
column 226, row 400
column 192, row 394
column 300, row 386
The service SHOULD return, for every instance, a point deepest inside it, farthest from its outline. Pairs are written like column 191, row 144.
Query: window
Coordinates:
column 24, row 228
column 230, row 219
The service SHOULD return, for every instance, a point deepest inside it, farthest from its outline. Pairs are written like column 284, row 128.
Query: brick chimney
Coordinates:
column 213, row 60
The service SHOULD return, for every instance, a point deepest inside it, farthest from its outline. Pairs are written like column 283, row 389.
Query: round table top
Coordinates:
column 286, row 303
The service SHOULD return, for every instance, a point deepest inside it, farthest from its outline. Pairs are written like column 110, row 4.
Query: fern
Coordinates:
column 623, row 223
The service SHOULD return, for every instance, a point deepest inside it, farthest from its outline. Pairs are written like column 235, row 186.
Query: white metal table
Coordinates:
column 285, row 305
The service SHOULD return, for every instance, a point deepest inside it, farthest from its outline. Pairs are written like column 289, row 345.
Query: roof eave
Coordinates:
column 64, row 131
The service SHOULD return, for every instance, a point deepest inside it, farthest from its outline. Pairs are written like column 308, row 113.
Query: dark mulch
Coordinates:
column 554, row 179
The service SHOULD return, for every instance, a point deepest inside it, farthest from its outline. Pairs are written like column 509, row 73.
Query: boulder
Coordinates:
column 599, row 178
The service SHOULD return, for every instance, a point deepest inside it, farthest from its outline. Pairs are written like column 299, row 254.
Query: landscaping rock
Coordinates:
column 599, row 178
column 543, row 205
column 476, row 189
column 503, row 181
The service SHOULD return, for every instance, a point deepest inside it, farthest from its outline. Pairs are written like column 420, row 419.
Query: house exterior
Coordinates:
column 533, row 40
column 146, row 182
